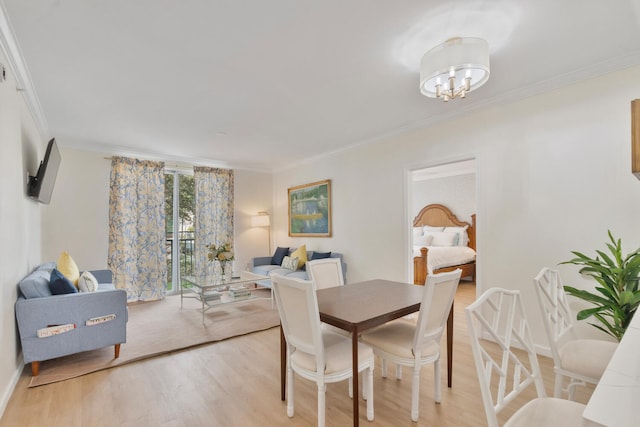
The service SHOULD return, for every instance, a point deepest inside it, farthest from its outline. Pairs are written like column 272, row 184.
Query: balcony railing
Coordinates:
column 186, row 242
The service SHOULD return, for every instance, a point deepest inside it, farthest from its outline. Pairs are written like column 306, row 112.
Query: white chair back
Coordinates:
column 440, row 290
column 558, row 320
column 298, row 309
column 325, row 273
column 499, row 315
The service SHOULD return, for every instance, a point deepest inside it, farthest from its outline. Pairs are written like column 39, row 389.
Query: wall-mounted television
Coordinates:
column 40, row 186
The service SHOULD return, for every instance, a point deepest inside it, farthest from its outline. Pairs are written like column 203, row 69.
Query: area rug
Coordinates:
column 160, row 327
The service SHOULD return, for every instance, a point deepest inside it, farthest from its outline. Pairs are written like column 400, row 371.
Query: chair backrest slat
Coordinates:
column 502, row 350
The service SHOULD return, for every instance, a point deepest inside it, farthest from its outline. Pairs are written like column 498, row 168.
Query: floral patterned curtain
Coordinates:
column 214, row 214
column 137, row 250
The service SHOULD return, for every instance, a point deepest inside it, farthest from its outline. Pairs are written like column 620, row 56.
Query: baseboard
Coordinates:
column 6, row 395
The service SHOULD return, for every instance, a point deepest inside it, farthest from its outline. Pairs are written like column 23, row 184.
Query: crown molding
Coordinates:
column 19, row 69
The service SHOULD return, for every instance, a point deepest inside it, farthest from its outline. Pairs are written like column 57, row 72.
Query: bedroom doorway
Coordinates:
column 454, row 187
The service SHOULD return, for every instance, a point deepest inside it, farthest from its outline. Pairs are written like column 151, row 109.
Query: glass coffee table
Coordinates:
column 212, row 291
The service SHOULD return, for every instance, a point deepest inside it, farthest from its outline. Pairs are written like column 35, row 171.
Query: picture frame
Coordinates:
column 310, row 209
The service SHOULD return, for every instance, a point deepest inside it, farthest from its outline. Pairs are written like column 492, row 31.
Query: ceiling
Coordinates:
column 262, row 85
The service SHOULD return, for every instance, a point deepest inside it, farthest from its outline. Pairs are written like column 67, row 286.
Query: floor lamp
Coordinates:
column 262, row 220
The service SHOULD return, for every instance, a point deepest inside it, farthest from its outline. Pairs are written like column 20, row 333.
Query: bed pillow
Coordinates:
column 423, row 241
column 444, row 238
column 463, row 237
column 429, row 229
column 417, row 232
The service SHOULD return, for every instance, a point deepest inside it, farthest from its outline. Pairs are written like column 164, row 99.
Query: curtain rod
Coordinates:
column 167, row 165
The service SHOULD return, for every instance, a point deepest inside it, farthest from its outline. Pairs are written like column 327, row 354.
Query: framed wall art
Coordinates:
column 310, row 210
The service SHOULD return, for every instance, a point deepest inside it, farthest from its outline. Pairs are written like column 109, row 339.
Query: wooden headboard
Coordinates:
column 440, row 216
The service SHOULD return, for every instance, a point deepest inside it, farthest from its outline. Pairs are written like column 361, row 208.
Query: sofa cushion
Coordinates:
column 59, row 284
column 264, row 270
column 301, row 254
column 68, row 267
column 36, row 284
column 279, row 255
column 87, row 282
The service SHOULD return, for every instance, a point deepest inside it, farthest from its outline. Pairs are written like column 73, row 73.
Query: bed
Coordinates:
column 437, row 250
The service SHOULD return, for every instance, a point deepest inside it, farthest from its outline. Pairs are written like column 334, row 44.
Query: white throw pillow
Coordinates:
column 429, row 229
column 417, row 232
column 290, row 263
column 444, row 238
column 87, row 282
column 422, row 240
column 463, row 239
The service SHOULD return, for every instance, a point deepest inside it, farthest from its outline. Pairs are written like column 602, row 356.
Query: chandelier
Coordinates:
column 454, row 68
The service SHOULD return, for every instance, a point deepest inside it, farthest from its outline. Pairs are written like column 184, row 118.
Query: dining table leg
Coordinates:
column 354, row 355
column 450, row 347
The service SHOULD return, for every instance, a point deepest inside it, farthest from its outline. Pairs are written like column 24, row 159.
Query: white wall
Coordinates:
column 553, row 175
column 21, row 149
column 77, row 220
column 458, row 193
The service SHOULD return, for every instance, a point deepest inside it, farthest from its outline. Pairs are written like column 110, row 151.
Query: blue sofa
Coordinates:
column 264, row 266
column 37, row 308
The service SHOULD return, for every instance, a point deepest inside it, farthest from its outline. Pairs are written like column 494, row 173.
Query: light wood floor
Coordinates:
column 236, row 383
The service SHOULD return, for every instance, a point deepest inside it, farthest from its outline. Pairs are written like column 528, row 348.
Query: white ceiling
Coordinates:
column 264, row 84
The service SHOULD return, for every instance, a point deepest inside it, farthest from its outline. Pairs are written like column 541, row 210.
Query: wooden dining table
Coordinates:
column 360, row 306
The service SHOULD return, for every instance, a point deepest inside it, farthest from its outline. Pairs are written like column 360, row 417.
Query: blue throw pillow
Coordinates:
column 58, row 284
column 277, row 257
column 320, row 255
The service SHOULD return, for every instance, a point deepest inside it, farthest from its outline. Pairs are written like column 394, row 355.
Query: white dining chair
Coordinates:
column 325, row 272
column 313, row 353
column 417, row 343
column 567, row 349
column 507, row 364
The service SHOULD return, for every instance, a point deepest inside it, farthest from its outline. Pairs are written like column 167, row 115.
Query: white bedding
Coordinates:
column 446, row 256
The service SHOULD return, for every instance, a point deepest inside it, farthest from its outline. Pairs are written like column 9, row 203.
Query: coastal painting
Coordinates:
column 310, row 210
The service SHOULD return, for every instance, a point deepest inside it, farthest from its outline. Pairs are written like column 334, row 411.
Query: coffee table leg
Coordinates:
column 354, row 355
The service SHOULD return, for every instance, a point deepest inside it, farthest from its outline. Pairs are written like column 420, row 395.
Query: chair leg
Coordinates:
column 117, row 351
column 437, row 373
column 415, row 392
column 571, row 389
column 369, row 389
column 351, row 387
column 398, row 372
column 290, row 400
column 557, row 389
column 322, row 392
column 35, row 368
column 383, row 362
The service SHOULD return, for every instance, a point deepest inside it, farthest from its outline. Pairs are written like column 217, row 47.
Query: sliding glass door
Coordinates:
column 180, row 209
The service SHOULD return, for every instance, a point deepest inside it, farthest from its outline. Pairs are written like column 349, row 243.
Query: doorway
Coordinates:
column 452, row 185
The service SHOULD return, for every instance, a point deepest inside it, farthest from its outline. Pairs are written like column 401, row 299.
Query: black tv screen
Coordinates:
column 41, row 186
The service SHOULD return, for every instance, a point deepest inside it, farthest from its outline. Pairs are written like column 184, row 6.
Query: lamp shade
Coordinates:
column 458, row 57
column 260, row 220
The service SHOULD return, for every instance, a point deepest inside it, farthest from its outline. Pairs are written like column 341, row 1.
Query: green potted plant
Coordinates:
column 617, row 295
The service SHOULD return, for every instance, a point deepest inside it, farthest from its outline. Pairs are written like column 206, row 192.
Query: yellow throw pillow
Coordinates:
column 301, row 254
column 67, row 266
